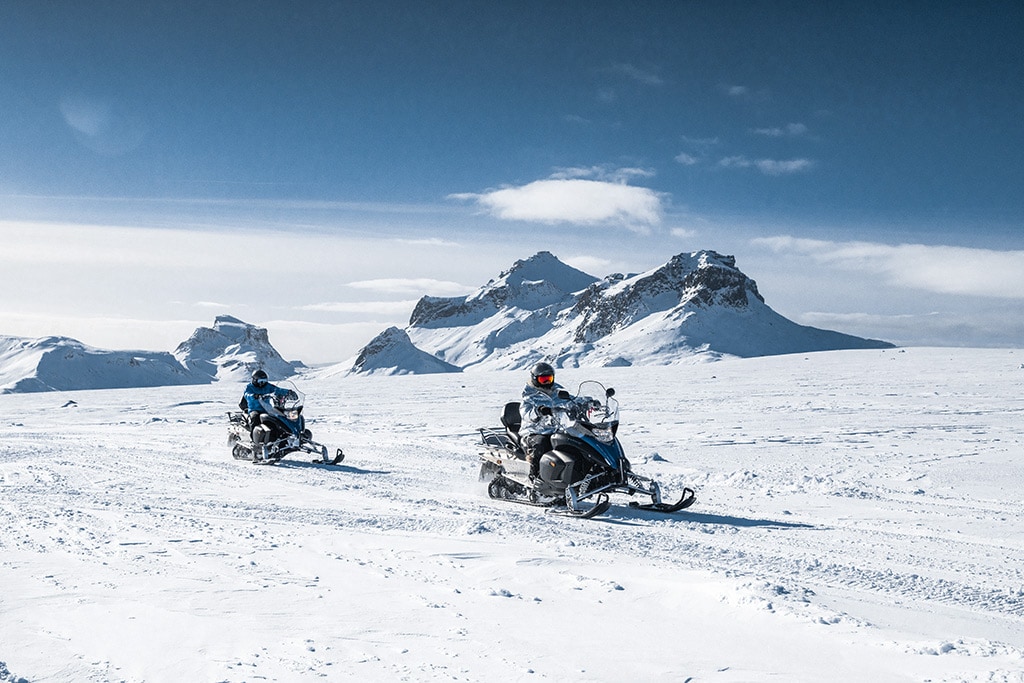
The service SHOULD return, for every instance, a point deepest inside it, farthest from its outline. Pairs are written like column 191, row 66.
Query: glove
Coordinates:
column 291, row 395
column 544, row 410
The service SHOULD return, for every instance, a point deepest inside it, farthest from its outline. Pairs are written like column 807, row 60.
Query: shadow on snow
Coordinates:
column 624, row 515
column 348, row 469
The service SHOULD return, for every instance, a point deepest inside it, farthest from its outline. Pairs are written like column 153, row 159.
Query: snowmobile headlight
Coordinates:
column 603, row 434
column 292, row 415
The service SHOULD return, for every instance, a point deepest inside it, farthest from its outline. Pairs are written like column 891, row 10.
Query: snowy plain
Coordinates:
column 859, row 517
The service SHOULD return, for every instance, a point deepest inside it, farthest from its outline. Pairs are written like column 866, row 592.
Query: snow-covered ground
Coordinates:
column 859, row 518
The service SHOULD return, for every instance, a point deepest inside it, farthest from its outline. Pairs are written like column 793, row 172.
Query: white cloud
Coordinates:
column 772, row 167
column 576, row 201
column 939, row 269
column 687, row 159
column 412, row 286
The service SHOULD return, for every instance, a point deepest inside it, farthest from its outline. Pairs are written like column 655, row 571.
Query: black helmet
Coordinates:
column 542, row 375
column 259, row 379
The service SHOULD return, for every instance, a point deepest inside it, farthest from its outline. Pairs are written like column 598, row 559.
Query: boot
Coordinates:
column 259, row 449
column 533, row 457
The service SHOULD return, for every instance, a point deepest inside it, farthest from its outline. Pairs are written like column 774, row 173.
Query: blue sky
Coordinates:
column 861, row 159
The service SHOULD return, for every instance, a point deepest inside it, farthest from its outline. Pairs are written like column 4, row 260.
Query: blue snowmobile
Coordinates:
column 585, row 464
column 283, row 430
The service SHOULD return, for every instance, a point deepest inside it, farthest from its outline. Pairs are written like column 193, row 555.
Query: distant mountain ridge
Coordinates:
column 230, row 350
column 694, row 308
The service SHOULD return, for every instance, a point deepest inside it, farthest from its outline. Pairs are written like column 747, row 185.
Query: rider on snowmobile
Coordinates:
column 258, row 388
column 539, row 396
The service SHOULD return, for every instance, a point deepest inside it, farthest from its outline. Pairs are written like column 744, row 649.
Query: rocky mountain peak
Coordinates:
column 232, row 349
column 702, row 278
column 544, row 267
column 531, row 284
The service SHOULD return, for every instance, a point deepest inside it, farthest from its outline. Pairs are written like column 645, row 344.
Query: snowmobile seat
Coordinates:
column 511, row 418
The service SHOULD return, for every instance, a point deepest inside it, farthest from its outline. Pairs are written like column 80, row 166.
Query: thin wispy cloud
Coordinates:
column 604, row 173
column 939, row 269
column 574, row 200
column 428, row 242
column 744, row 94
column 683, row 233
column 789, row 130
column 698, row 150
column 700, row 142
column 637, row 74
column 577, row 119
column 412, row 286
column 103, row 125
column 594, row 265
column 384, row 308
column 772, row 167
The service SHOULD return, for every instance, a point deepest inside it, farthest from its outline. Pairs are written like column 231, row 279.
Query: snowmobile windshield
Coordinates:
column 596, row 409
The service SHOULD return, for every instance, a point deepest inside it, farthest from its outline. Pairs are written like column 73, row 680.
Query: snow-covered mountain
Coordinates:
column 64, row 364
column 694, row 308
column 232, row 349
column 392, row 353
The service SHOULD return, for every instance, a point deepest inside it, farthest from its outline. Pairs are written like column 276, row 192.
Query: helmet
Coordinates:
column 259, row 379
column 542, row 376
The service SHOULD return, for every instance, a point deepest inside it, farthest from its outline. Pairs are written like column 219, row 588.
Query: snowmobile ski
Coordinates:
column 327, row 460
column 688, row 498
column 598, row 508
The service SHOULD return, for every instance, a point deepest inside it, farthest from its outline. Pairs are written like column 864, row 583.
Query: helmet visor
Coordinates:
column 260, row 382
column 545, row 380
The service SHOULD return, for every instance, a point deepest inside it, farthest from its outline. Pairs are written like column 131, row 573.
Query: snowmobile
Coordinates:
column 585, row 464
column 285, row 429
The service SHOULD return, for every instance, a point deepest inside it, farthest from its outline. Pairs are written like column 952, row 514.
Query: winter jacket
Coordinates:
column 251, row 398
column 534, row 398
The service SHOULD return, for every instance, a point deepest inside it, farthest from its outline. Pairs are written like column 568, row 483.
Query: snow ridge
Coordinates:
column 392, row 353
column 64, row 364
